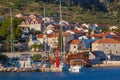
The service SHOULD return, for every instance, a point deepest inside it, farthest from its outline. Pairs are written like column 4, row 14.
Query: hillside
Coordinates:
column 89, row 11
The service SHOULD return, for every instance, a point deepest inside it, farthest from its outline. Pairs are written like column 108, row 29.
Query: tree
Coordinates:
column 89, row 31
column 37, row 57
column 5, row 30
column 3, row 57
column 105, row 29
column 60, row 41
column 36, row 46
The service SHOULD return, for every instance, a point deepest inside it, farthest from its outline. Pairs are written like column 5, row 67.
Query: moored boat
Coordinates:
column 65, row 67
column 25, row 61
column 76, row 68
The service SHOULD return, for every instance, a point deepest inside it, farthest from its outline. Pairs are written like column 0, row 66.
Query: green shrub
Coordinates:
column 3, row 57
column 37, row 57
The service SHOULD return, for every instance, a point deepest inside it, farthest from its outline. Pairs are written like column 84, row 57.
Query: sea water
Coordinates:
column 111, row 73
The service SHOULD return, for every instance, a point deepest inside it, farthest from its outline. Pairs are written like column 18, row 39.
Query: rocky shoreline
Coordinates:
column 15, row 69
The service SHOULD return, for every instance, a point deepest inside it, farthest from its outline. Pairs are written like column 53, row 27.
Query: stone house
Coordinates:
column 76, row 45
column 108, row 46
column 52, row 39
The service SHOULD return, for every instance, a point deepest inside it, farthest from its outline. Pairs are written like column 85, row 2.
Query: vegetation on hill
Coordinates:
column 88, row 11
column 5, row 32
column 3, row 57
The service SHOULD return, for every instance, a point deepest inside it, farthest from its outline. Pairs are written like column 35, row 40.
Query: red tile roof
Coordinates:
column 107, row 40
column 53, row 35
column 100, row 35
column 75, row 41
column 57, row 34
column 40, row 36
column 77, row 31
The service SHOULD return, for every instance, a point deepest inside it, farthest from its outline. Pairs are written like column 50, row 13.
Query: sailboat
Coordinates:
column 61, row 65
column 66, row 67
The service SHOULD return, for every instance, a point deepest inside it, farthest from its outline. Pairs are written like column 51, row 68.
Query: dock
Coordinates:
column 108, row 64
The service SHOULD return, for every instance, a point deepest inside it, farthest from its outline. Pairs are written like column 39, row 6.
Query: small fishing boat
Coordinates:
column 25, row 61
column 75, row 65
column 76, row 68
column 65, row 67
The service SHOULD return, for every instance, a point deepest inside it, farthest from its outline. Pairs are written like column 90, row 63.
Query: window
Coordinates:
column 27, row 22
column 33, row 22
column 23, row 22
column 74, row 46
column 36, row 22
column 110, row 52
column 103, row 45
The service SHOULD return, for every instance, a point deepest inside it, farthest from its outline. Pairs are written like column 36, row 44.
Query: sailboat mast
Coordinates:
column 61, row 27
column 11, row 32
column 60, row 12
column 44, row 31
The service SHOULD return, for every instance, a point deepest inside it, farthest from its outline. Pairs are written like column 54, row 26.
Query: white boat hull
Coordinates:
column 75, row 68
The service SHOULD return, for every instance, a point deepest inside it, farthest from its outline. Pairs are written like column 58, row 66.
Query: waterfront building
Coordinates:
column 52, row 39
column 77, row 33
column 80, row 58
column 32, row 43
column 30, row 24
column 100, row 35
column 76, row 45
column 107, row 45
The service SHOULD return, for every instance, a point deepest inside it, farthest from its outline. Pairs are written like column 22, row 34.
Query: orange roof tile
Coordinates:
column 106, row 40
column 40, row 36
column 75, row 41
column 57, row 34
column 65, row 34
column 100, row 35
column 53, row 35
column 77, row 31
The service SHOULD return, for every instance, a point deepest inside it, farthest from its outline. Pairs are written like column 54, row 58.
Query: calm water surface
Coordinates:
column 86, row 74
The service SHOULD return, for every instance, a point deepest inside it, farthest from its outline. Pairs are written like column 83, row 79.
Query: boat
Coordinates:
column 65, row 67
column 76, row 68
column 25, row 61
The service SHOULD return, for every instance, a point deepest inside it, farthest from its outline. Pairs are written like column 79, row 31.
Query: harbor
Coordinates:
column 72, row 62
column 25, row 63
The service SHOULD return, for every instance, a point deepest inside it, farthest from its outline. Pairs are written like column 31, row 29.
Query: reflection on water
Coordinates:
column 86, row 74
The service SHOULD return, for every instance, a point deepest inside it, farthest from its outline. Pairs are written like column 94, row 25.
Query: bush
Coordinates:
column 3, row 57
column 37, row 57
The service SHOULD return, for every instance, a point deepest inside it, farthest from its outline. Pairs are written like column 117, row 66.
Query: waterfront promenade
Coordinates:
column 18, row 54
column 108, row 64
